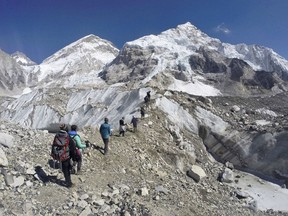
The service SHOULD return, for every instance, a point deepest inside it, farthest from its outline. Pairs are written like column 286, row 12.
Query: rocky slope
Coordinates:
column 145, row 173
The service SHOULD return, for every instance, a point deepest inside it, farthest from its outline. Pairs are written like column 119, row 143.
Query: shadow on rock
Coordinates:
column 43, row 177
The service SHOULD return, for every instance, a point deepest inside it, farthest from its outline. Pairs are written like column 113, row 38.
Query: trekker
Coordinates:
column 134, row 122
column 105, row 132
column 79, row 146
column 122, row 127
column 63, row 150
column 142, row 112
column 148, row 95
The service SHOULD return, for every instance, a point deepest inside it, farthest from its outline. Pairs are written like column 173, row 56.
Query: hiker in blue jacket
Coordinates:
column 79, row 145
column 105, row 132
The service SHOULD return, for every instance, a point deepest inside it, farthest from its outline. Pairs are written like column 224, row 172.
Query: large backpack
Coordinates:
column 60, row 148
column 78, row 152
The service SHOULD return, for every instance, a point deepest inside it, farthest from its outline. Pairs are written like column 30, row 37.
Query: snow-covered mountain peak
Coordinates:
column 184, row 58
column 102, row 49
column 22, row 59
column 87, row 55
column 184, row 35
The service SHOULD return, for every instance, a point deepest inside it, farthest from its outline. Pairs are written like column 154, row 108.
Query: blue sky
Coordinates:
column 39, row 28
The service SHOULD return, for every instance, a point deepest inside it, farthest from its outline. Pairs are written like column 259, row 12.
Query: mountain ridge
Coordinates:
column 99, row 60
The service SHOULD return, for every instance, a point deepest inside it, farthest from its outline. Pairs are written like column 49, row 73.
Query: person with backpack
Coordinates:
column 79, row 146
column 63, row 150
column 122, row 127
column 147, row 97
column 105, row 131
column 148, row 94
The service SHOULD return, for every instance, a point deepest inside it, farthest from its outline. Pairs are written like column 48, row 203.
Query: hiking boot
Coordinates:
column 71, row 185
column 79, row 172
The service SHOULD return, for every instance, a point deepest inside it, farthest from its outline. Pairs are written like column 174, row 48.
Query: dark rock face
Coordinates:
column 132, row 63
column 234, row 76
column 237, row 68
column 208, row 62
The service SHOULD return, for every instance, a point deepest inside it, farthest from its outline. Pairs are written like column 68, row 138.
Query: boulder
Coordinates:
column 6, row 140
column 3, row 159
column 227, row 176
column 196, row 173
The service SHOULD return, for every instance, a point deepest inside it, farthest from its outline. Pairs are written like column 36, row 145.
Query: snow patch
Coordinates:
column 267, row 112
column 194, row 88
column 262, row 122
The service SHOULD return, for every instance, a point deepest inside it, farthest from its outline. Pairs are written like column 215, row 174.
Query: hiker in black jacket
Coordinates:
column 122, row 127
column 63, row 150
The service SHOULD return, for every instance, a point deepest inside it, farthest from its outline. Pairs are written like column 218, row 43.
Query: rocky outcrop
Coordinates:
column 12, row 76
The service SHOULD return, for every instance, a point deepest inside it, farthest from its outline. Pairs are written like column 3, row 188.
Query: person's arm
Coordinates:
column 78, row 142
column 109, row 130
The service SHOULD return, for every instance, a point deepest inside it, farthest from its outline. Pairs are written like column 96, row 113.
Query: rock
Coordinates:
column 82, row 203
column 196, row 173
column 30, row 170
column 156, row 198
column 115, row 191
column 227, row 176
column 144, row 191
column 18, row 181
column 28, row 208
column 104, row 208
column 161, row 189
column 29, row 183
column 105, row 193
column 87, row 211
column 253, row 205
column 235, row 108
column 161, row 174
column 241, row 194
column 99, row 202
column 6, row 140
column 126, row 213
column 84, row 197
column 229, row 165
column 8, row 178
column 3, row 159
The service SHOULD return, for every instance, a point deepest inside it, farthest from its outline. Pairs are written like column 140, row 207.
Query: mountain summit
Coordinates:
column 81, row 59
column 187, row 58
column 22, row 59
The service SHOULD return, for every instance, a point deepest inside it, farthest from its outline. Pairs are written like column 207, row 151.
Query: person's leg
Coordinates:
column 79, row 163
column 66, row 167
column 106, row 141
